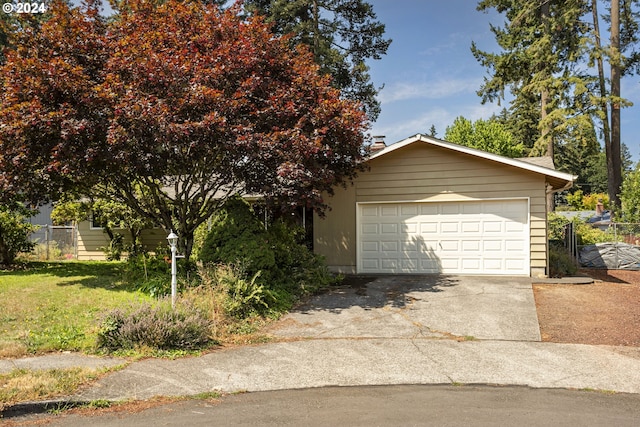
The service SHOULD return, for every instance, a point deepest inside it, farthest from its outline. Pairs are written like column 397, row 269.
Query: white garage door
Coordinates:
column 478, row 237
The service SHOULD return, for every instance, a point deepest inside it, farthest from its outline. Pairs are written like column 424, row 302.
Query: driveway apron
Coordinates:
column 436, row 306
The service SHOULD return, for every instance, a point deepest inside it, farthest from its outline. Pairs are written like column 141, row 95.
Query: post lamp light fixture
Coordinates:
column 173, row 243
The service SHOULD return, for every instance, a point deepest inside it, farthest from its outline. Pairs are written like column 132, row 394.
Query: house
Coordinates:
column 430, row 206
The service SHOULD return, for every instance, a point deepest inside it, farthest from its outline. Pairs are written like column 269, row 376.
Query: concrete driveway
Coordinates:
column 463, row 307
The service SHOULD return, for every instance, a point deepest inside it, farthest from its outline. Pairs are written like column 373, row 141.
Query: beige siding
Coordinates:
column 421, row 172
column 335, row 235
column 91, row 240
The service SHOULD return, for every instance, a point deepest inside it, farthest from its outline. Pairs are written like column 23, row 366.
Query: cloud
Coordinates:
column 436, row 89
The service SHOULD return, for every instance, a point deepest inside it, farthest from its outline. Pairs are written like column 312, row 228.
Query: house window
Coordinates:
column 96, row 221
column 99, row 223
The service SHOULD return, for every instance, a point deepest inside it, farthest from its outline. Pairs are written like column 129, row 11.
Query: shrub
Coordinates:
column 157, row 326
column 556, row 226
column 276, row 258
column 588, row 235
column 560, row 262
column 14, row 232
column 150, row 274
column 238, row 237
column 245, row 298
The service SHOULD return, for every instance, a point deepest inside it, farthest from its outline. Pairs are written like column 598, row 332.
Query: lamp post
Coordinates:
column 173, row 243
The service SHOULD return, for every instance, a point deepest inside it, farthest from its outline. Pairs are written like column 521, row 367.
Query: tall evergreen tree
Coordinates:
column 342, row 34
column 624, row 58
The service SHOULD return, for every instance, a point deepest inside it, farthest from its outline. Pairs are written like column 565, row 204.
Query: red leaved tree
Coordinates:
column 171, row 109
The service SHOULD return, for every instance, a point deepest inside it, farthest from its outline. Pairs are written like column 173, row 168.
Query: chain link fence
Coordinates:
column 55, row 242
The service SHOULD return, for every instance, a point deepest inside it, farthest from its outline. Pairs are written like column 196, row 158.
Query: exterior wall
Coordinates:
column 422, row 172
column 334, row 236
column 90, row 240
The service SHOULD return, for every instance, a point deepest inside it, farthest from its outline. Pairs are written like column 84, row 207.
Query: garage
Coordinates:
column 423, row 205
column 458, row 237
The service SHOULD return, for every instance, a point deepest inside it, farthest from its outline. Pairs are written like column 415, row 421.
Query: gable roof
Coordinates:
column 558, row 180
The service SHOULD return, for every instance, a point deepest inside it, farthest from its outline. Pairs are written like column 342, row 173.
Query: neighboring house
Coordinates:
column 92, row 238
column 430, row 206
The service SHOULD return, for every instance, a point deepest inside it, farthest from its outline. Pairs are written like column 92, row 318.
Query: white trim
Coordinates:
column 474, row 152
column 358, row 266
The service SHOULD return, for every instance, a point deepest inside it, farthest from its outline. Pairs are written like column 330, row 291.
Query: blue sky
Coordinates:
column 431, row 77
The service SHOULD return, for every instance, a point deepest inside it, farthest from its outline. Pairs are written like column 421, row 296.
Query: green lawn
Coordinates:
column 57, row 306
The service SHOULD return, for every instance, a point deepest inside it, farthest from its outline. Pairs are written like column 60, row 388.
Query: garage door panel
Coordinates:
column 449, row 245
column 449, row 227
column 492, row 245
column 410, row 228
column 389, row 211
column 471, row 245
column 389, row 228
column 428, row 227
column 373, row 247
column 514, row 227
column 492, row 226
column 429, row 209
column 470, row 227
column 475, row 237
column 409, row 210
column 390, row 264
column 371, row 229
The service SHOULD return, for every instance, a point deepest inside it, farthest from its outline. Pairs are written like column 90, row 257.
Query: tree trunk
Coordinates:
column 547, row 129
column 606, row 130
column 614, row 162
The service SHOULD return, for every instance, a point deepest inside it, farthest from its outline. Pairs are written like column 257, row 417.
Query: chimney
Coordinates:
column 378, row 143
column 599, row 208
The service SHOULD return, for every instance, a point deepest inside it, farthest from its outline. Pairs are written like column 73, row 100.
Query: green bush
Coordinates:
column 14, row 232
column 560, row 263
column 150, row 274
column 157, row 326
column 588, row 235
column 245, row 298
column 555, row 226
column 275, row 258
column 238, row 237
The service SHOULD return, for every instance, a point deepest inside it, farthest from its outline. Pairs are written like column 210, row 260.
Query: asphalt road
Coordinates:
column 401, row 405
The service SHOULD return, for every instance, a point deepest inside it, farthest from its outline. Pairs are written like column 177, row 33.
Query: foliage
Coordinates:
column 150, row 274
column 14, row 232
column 167, row 104
column 245, row 298
column 109, row 214
column 556, row 225
column 539, row 43
column 580, row 201
column 342, row 34
column 548, row 59
column 275, row 258
column 560, row 262
column 157, row 326
column 490, row 136
column 588, row 235
column 630, row 197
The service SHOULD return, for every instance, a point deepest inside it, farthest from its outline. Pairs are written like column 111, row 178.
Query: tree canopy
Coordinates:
column 170, row 109
column 342, row 34
column 551, row 61
column 486, row 135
